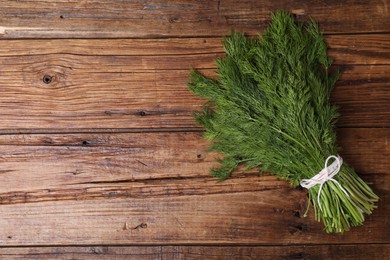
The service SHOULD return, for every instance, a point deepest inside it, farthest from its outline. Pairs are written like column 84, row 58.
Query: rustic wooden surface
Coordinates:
column 352, row 252
column 100, row 157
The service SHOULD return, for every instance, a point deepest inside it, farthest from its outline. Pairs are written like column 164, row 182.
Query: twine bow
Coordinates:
column 325, row 175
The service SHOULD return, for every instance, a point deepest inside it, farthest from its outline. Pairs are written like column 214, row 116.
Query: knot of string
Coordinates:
column 325, row 175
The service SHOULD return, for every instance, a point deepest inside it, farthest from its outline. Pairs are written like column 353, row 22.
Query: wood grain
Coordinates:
column 142, row 188
column 228, row 218
column 315, row 252
column 135, row 165
column 345, row 49
column 130, row 84
column 362, row 96
column 100, row 157
column 157, row 18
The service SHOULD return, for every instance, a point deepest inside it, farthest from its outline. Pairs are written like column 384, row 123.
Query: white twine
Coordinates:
column 325, row 175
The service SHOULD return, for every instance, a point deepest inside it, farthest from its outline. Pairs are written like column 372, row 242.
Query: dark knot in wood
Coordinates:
column 142, row 113
column 47, row 79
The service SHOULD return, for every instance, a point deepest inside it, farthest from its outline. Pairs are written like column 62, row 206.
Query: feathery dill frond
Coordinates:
column 270, row 107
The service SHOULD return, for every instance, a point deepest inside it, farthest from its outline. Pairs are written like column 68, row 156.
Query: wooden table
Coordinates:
column 100, row 157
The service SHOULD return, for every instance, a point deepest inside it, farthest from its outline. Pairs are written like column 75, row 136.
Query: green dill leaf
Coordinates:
column 269, row 108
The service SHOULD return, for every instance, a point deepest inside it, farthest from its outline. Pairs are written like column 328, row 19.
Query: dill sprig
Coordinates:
column 269, row 108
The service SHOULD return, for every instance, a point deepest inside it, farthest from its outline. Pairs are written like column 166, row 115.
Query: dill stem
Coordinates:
column 338, row 210
column 294, row 140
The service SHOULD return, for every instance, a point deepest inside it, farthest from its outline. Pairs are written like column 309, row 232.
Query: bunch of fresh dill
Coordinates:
column 269, row 108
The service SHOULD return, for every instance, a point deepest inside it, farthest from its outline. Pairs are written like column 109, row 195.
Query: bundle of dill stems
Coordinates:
column 269, row 109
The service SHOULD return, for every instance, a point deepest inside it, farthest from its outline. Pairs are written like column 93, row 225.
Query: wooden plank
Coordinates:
column 82, row 99
column 359, row 49
column 345, row 49
column 227, row 218
column 127, row 86
column 154, row 188
column 157, row 18
column 363, row 100
column 102, row 166
column 115, row 188
column 374, row 148
column 355, row 252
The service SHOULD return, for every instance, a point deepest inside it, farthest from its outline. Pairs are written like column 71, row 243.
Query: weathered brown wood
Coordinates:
column 83, row 189
column 101, row 166
column 363, row 101
column 359, row 49
column 158, row 18
column 80, row 99
column 110, row 156
column 353, row 252
column 345, row 49
column 127, row 84
column 364, row 148
column 268, row 216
